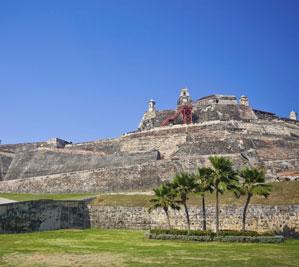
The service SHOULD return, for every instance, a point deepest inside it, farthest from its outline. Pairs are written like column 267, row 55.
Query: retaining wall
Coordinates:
column 283, row 219
column 41, row 215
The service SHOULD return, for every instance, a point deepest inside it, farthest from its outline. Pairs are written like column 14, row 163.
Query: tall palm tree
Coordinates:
column 253, row 183
column 184, row 183
column 223, row 178
column 165, row 199
column 203, row 178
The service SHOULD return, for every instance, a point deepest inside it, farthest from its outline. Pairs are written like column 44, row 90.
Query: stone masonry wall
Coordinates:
column 43, row 215
column 282, row 219
column 41, row 162
column 138, row 177
column 142, row 160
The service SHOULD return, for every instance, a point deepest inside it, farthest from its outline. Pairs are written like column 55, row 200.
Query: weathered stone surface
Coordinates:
column 44, row 215
column 41, row 215
column 5, row 161
column 42, row 161
column 131, row 178
column 142, row 159
column 282, row 219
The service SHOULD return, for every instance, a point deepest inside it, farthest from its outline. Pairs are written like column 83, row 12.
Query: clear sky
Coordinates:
column 84, row 70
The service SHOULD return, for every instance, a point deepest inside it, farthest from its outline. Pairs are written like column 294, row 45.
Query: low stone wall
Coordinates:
column 283, row 219
column 41, row 215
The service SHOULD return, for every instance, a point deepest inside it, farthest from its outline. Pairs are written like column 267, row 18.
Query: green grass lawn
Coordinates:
column 25, row 197
column 282, row 193
column 95, row 247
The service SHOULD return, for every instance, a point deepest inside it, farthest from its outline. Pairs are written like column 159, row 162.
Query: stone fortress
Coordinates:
column 166, row 142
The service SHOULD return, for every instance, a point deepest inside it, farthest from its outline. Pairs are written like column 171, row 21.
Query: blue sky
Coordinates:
column 84, row 70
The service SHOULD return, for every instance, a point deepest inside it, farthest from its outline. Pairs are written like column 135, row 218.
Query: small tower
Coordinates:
column 244, row 100
column 151, row 106
column 293, row 115
column 148, row 116
column 184, row 98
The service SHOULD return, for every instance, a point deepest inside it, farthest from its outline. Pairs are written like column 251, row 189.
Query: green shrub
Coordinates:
column 223, row 236
column 208, row 232
column 237, row 233
column 182, row 232
column 180, row 237
column 250, row 239
column 242, row 233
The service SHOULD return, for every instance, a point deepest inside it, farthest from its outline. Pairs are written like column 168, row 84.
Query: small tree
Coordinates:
column 184, row 183
column 223, row 178
column 203, row 177
column 165, row 199
column 253, row 183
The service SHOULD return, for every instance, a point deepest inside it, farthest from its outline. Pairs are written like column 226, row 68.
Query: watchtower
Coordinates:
column 244, row 100
column 293, row 115
column 184, row 98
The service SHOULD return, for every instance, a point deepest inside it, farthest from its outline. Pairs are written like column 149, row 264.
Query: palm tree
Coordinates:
column 164, row 198
column 253, row 183
column 203, row 184
column 184, row 183
column 223, row 178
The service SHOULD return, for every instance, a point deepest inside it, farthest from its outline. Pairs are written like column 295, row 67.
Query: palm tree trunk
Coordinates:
column 204, row 219
column 245, row 211
column 187, row 215
column 217, row 210
column 168, row 219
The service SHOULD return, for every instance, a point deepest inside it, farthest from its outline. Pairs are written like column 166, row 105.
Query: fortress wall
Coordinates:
column 277, row 167
column 130, row 178
column 272, row 142
column 8, row 151
column 277, row 127
column 42, row 215
column 283, row 219
column 223, row 112
column 170, row 140
column 13, row 148
column 107, row 147
column 261, row 129
column 138, row 177
column 182, row 147
column 46, row 162
column 5, row 161
column 165, row 143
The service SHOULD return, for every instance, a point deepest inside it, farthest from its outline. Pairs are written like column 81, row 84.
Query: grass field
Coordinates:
column 96, row 247
column 25, row 197
column 282, row 193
